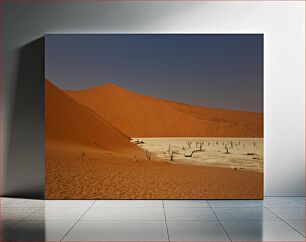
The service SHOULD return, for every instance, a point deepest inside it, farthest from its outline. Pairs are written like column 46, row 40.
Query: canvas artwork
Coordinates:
column 154, row 116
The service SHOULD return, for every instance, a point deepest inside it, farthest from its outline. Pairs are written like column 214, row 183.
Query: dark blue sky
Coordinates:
column 223, row 71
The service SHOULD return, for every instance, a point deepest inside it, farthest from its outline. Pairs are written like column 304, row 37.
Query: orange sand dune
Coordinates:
column 70, row 122
column 88, row 158
column 141, row 116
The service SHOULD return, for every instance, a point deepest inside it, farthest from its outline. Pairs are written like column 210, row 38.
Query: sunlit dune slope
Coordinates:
column 67, row 121
column 142, row 116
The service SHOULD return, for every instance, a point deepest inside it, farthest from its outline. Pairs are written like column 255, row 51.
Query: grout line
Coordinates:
column 207, row 203
column 219, row 222
column 166, row 221
column 77, row 221
column 299, row 201
column 284, row 221
column 24, row 218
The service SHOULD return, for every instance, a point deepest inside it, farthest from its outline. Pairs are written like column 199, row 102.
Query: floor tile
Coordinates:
column 22, row 203
column 244, row 214
column 143, row 220
column 185, row 203
column 260, row 231
column 281, row 202
column 189, row 214
column 70, row 203
column 16, row 213
column 128, row 203
column 121, row 213
column 118, row 231
column 196, row 231
column 289, row 212
column 58, row 213
column 39, row 230
column 298, row 225
column 235, row 203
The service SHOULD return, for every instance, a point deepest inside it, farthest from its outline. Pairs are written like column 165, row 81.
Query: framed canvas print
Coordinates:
column 154, row 116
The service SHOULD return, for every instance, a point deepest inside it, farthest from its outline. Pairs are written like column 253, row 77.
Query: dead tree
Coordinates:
column 226, row 148
column 171, row 153
column 148, row 154
column 191, row 154
column 189, row 144
column 201, row 143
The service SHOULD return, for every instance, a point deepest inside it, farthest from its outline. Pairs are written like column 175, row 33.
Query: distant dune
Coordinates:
column 67, row 121
column 137, row 115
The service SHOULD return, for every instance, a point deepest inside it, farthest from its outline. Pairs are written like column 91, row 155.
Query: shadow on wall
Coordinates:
column 25, row 157
column 28, row 230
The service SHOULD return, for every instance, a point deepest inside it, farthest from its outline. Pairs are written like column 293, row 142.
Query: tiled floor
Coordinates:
column 274, row 219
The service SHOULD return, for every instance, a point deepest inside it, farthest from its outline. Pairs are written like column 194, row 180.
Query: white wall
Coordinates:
column 283, row 25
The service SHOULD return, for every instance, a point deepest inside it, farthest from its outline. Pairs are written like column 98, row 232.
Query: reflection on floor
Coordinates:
column 274, row 219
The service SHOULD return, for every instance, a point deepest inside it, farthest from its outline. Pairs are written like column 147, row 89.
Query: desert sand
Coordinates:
column 78, row 172
column 88, row 157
